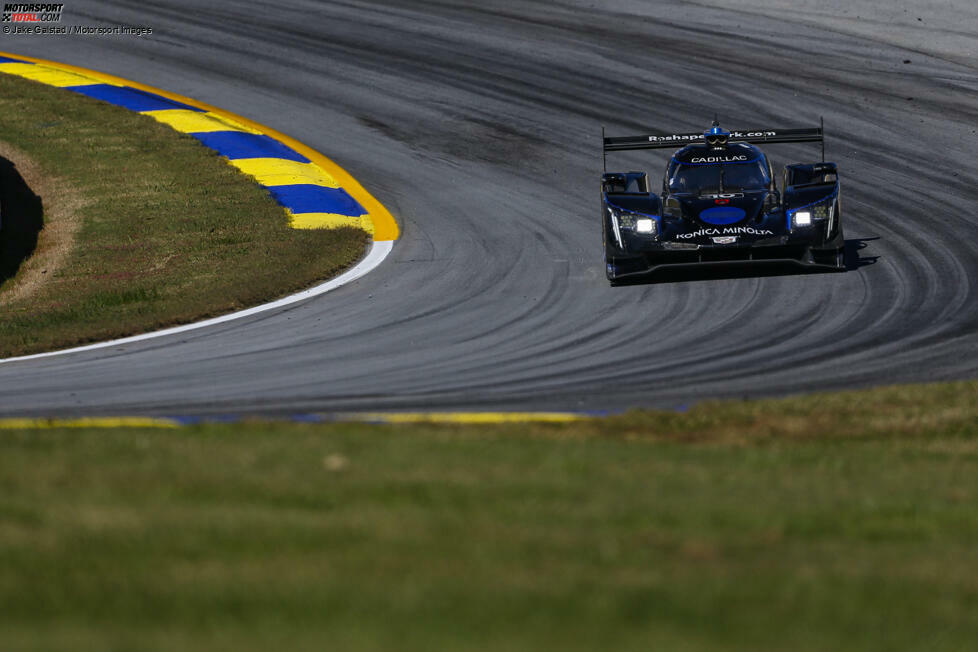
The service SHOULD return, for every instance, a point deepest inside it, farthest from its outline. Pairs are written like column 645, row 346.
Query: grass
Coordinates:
column 842, row 521
column 115, row 224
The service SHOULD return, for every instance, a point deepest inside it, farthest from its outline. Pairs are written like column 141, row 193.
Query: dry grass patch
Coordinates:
column 61, row 204
column 884, row 412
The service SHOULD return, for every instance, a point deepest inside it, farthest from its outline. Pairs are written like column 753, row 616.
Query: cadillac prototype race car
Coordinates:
column 720, row 203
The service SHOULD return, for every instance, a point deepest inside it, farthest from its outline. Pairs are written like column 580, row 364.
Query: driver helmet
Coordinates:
column 717, row 136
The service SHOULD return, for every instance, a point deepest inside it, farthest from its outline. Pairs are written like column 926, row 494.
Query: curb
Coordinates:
column 315, row 191
column 375, row 418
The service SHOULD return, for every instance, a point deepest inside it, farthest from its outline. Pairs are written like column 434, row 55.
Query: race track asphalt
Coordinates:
column 478, row 125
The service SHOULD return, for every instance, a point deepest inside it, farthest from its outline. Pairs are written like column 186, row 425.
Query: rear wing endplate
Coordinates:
column 760, row 136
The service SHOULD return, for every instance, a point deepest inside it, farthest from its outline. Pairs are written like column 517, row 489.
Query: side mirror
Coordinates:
column 614, row 182
column 625, row 182
column 812, row 174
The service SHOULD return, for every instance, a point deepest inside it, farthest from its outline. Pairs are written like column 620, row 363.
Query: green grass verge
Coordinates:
column 842, row 521
column 165, row 232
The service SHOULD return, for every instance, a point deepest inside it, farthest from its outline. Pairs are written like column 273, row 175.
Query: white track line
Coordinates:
column 375, row 256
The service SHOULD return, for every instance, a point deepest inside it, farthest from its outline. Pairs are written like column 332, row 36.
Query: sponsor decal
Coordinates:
column 752, row 134
column 725, row 239
column 721, row 202
column 726, row 231
column 734, row 135
column 718, row 159
column 666, row 139
column 31, row 13
column 722, row 215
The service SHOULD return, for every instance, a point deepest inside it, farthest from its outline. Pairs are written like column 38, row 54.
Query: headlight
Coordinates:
column 645, row 225
column 810, row 215
column 636, row 223
column 803, row 218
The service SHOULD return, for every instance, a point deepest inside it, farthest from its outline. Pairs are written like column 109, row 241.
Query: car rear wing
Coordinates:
column 760, row 136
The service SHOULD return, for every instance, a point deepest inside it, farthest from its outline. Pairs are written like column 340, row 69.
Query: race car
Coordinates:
column 720, row 204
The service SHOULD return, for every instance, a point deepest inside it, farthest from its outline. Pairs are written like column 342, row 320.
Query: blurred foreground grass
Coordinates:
column 841, row 521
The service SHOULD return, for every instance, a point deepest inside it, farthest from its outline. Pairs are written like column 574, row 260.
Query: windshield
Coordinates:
column 708, row 178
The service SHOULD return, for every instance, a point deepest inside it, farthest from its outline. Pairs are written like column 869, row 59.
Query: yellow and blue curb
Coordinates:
column 466, row 418
column 88, row 422
column 389, row 418
column 314, row 191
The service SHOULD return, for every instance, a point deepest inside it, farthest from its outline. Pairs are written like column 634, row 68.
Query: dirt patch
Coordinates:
column 51, row 211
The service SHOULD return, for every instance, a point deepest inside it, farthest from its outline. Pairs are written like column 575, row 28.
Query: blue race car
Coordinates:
column 720, row 204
